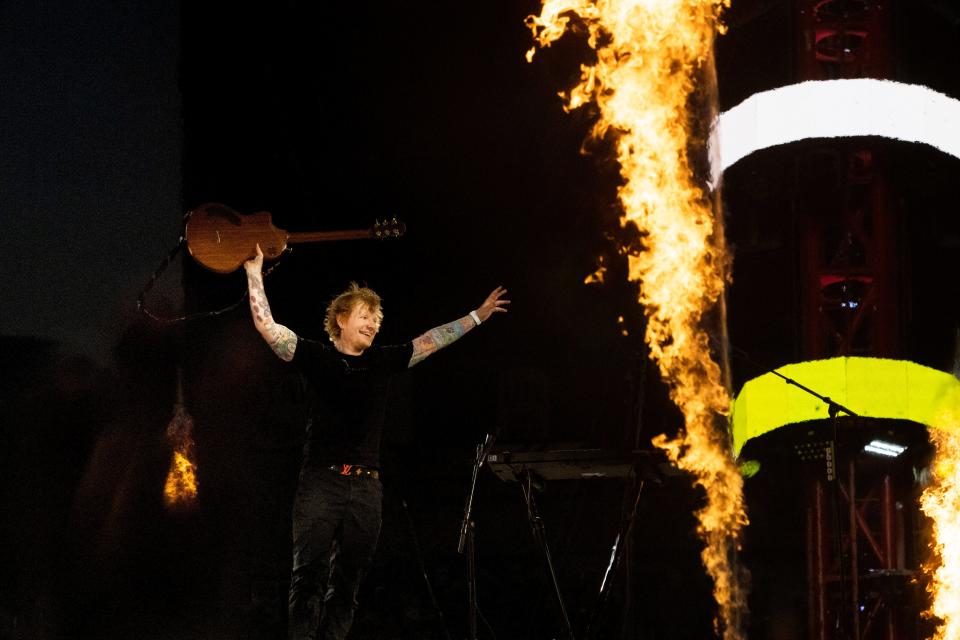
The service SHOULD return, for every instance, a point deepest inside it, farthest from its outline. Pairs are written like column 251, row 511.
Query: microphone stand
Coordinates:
column 467, row 534
column 834, row 409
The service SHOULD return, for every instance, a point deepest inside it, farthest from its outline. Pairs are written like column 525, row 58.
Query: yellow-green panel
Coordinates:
column 871, row 387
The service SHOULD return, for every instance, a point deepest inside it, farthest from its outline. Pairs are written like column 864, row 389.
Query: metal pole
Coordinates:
column 854, row 566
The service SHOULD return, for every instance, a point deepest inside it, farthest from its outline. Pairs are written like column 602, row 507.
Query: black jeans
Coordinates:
column 336, row 523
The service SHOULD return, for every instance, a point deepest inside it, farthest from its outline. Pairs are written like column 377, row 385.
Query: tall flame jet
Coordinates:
column 650, row 56
column 941, row 503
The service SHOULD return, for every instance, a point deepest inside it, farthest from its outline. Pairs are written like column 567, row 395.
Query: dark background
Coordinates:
column 115, row 120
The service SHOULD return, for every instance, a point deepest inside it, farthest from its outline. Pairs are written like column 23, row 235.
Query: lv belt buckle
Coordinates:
column 346, row 469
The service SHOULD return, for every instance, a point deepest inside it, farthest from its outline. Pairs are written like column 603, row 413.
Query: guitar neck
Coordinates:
column 329, row 236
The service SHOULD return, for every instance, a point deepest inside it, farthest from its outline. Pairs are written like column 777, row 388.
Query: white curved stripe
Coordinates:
column 832, row 109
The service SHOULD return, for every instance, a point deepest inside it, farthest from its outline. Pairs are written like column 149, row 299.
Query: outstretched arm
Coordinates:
column 282, row 340
column 439, row 337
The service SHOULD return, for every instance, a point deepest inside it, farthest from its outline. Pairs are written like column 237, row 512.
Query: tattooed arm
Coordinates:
column 439, row 337
column 282, row 340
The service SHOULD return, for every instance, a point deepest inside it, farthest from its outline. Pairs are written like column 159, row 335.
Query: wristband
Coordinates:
column 476, row 318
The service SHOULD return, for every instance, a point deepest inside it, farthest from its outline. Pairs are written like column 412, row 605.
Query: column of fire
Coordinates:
column 650, row 57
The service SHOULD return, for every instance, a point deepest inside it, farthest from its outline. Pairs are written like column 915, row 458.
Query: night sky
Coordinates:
column 116, row 120
column 91, row 136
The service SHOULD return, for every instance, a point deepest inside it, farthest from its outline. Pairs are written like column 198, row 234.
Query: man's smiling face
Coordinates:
column 358, row 329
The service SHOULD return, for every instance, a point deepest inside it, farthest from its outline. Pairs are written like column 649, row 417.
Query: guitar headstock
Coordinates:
column 388, row 229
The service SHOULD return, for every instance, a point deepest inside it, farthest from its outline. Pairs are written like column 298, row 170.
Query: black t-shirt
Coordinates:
column 349, row 396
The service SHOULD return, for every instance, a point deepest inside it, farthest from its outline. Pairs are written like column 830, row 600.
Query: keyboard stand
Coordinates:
column 528, row 484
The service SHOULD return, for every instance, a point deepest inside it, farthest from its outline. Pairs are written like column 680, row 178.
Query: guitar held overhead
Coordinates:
column 221, row 239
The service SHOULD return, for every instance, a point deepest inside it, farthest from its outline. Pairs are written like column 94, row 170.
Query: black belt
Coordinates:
column 354, row 470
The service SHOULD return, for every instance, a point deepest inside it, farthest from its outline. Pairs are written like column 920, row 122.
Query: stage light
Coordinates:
column 882, row 448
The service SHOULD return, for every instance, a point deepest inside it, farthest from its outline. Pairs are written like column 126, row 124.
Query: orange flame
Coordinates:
column 180, row 489
column 941, row 503
column 649, row 54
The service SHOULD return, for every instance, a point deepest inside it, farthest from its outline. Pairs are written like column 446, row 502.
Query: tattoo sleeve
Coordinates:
column 439, row 337
column 282, row 340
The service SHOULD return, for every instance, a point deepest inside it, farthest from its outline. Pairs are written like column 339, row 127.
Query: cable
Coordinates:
column 141, row 304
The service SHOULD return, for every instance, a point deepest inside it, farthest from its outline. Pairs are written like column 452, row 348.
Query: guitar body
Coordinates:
column 221, row 239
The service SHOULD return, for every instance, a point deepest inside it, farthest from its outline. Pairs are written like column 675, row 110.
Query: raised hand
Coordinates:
column 255, row 264
column 282, row 340
column 493, row 304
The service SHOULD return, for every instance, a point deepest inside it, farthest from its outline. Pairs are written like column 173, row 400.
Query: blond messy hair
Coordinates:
column 344, row 303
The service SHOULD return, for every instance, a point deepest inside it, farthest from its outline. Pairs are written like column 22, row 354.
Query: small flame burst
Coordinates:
column 941, row 503
column 180, row 489
column 649, row 54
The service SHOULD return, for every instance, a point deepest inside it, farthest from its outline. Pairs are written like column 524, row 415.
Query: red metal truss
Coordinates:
column 851, row 291
column 849, row 260
column 844, row 39
column 858, row 574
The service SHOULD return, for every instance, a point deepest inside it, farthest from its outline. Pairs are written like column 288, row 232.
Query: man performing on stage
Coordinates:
column 336, row 512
